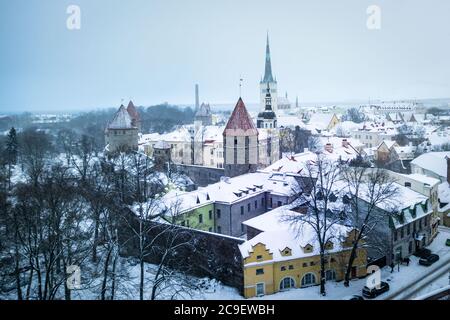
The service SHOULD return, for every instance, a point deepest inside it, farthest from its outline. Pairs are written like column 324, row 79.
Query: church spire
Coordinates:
column 268, row 67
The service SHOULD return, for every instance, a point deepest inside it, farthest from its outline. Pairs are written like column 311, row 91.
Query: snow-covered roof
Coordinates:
column 297, row 164
column 122, row 120
column 444, row 192
column 278, row 234
column 433, row 161
column 320, row 120
column 421, row 178
column 290, row 121
column 162, row 145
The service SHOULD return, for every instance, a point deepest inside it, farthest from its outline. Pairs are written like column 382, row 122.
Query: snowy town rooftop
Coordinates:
column 433, row 161
column 278, row 234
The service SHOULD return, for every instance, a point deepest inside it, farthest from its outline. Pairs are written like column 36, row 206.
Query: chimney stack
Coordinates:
column 345, row 143
column 448, row 169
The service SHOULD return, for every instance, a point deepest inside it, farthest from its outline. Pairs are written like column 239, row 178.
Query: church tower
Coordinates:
column 267, row 119
column 268, row 81
column 240, row 143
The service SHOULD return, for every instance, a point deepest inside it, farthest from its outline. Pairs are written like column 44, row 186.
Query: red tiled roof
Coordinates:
column 132, row 111
column 240, row 122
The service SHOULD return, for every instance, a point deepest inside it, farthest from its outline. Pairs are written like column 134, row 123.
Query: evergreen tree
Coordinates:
column 11, row 152
column 12, row 146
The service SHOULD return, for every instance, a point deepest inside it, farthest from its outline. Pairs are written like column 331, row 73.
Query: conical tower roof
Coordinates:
column 240, row 122
column 122, row 120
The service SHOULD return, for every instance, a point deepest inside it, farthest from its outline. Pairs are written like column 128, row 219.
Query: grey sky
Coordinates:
column 154, row 51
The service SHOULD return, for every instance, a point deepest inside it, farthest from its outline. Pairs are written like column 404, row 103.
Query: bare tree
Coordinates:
column 367, row 189
column 322, row 174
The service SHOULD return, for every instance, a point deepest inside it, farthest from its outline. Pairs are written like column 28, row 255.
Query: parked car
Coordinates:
column 353, row 297
column 447, row 243
column 422, row 253
column 428, row 261
column 374, row 292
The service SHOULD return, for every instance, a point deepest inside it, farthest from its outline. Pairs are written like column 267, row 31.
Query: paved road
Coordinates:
column 434, row 272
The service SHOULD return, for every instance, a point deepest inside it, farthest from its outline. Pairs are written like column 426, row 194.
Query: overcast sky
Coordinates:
column 155, row 51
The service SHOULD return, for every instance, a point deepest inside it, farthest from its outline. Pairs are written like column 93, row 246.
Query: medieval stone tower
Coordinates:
column 121, row 133
column 240, row 143
column 268, row 81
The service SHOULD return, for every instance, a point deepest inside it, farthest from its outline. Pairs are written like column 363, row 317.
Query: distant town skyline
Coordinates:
column 156, row 51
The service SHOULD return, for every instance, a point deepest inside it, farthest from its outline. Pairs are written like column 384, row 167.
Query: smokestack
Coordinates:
column 448, row 169
column 197, row 98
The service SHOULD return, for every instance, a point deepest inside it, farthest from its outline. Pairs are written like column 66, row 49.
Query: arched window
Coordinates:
column 287, row 283
column 308, row 279
column 330, row 275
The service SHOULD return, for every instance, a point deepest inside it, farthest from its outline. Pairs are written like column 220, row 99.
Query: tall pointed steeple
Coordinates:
column 268, row 67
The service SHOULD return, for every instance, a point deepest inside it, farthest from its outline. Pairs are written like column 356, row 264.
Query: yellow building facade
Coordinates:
column 265, row 275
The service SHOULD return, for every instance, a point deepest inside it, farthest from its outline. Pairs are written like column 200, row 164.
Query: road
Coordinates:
column 433, row 273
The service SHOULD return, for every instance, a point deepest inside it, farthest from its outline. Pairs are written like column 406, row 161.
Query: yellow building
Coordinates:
column 280, row 257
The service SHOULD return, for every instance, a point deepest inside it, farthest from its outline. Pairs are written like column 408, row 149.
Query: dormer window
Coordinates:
column 286, row 252
column 308, row 248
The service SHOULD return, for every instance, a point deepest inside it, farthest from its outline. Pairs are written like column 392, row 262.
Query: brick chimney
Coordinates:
column 448, row 169
column 329, row 147
column 345, row 143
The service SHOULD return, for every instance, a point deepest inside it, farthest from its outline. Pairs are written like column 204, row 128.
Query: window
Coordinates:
column 259, row 257
column 410, row 247
column 308, row 280
column 263, row 200
column 210, row 214
column 395, row 235
column 408, row 229
column 242, row 210
column 420, row 224
column 311, row 263
column 291, row 267
column 402, row 233
column 218, row 213
column 219, row 229
column 242, row 228
column 283, row 268
column 256, row 204
column 210, row 229
column 280, row 203
column 304, row 264
column 248, row 207
column 235, row 141
column 259, row 272
column 183, row 223
column 408, row 184
column 425, row 221
column 287, row 283
column 200, row 218
column 330, row 275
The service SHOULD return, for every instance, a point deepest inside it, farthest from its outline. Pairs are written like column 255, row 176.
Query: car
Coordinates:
column 428, row 261
column 375, row 292
column 422, row 253
column 353, row 297
column 447, row 243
